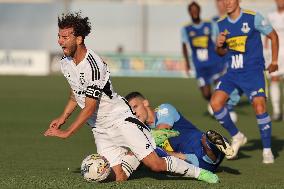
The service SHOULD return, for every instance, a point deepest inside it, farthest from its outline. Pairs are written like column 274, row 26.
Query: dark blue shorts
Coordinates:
column 252, row 83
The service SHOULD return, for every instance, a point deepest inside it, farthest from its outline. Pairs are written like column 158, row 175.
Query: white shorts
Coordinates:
column 123, row 135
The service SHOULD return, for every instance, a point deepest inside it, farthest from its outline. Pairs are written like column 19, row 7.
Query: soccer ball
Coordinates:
column 95, row 168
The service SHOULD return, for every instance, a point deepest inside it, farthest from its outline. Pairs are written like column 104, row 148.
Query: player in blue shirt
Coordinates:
column 235, row 95
column 197, row 37
column 205, row 150
column 239, row 39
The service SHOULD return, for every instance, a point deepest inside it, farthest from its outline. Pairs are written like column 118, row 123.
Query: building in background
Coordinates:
column 151, row 27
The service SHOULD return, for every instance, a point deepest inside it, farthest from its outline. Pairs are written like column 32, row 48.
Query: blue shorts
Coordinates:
column 252, row 83
column 209, row 75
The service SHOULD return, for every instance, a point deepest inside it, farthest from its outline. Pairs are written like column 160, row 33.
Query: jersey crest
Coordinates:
column 245, row 28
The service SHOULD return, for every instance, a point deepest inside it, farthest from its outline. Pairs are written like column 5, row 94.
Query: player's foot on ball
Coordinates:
column 267, row 157
column 219, row 141
column 208, row 176
column 237, row 141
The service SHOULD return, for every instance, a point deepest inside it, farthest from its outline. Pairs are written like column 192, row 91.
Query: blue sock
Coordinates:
column 264, row 124
column 224, row 119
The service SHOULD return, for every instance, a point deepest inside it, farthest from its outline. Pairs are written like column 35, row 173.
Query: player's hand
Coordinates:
column 57, row 132
column 221, row 38
column 187, row 72
column 272, row 67
column 160, row 135
column 56, row 123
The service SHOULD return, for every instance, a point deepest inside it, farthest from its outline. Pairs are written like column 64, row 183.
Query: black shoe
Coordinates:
column 219, row 141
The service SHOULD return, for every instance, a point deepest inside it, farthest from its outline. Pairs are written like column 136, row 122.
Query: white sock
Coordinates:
column 238, row 135
column 129, row 164
column 275, row 96
column 267, row 150
column 176, row 165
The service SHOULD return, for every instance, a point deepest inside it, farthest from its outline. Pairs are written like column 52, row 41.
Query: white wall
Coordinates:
column 34, row 26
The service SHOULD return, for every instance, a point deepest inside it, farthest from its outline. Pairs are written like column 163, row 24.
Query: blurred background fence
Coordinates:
column 135, row 37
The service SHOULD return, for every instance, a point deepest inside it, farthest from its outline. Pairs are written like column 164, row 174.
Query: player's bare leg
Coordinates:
column 218, row 100
column 206, row 94
column 264, row 124
column 118, row 174
column 123, row 171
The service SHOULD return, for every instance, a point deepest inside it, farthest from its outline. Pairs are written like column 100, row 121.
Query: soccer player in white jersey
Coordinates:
column 115, row 127
column 276, row 19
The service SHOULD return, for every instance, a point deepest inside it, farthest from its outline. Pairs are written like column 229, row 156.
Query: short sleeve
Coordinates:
column 184, row 37
column 98, row 77
column 262, row 24
column 167, row 114
column 215, row 30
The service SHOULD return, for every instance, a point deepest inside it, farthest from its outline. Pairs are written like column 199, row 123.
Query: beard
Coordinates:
column 70, row 51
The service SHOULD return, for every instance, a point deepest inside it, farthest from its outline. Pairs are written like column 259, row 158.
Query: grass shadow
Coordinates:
column 144, row 172
column 228, row 170
column 255, row 144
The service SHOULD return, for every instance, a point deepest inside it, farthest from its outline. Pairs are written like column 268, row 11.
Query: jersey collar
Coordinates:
column 235, row 21
column 198, row 26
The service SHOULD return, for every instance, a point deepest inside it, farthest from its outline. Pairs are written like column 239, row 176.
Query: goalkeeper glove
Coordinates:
column 160, row 135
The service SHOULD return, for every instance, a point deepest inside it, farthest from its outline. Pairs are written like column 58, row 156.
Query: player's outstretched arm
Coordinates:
column 69, row 108
column 274, row 51
column 84, row 115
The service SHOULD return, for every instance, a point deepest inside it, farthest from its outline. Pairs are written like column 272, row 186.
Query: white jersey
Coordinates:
column 115, row 127
column 91, row 78
column 277, row 21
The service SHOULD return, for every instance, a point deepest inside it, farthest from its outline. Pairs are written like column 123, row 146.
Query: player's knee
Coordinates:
column 218, row 101
column 259, row 109
column 259, row 105
column 215, row 104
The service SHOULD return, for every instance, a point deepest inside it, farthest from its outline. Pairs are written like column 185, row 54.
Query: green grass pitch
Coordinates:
column 30, row 160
